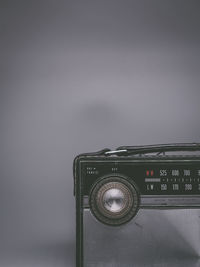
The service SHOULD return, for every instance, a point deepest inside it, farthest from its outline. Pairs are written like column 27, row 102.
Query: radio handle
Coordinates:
column 159, row 148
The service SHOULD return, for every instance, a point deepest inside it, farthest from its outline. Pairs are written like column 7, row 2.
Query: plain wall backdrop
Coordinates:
column 79, row 76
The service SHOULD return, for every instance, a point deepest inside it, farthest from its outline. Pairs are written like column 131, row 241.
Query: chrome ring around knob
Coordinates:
column 114, row 200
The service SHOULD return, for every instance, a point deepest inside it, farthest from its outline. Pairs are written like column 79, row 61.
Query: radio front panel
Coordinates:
column 134, row 209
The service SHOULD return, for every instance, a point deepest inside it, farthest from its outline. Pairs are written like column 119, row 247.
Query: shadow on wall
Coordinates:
column 43, row 254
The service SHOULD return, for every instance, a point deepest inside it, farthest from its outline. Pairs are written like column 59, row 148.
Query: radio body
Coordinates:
column 135, row 208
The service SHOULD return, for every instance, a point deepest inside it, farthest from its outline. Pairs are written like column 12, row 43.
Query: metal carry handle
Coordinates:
column 159, row 148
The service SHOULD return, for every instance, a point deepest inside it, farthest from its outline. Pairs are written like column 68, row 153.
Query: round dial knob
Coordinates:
column 114, row 200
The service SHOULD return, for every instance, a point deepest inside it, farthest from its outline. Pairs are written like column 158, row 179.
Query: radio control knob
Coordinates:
column 114, row 200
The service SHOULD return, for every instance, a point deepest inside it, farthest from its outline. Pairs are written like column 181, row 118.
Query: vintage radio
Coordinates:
column 138, row 206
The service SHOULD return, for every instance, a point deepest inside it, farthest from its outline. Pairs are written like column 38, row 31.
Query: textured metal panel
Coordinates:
column 155, row 238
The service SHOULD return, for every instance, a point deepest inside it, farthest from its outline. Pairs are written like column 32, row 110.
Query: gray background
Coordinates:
column 78, row 76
